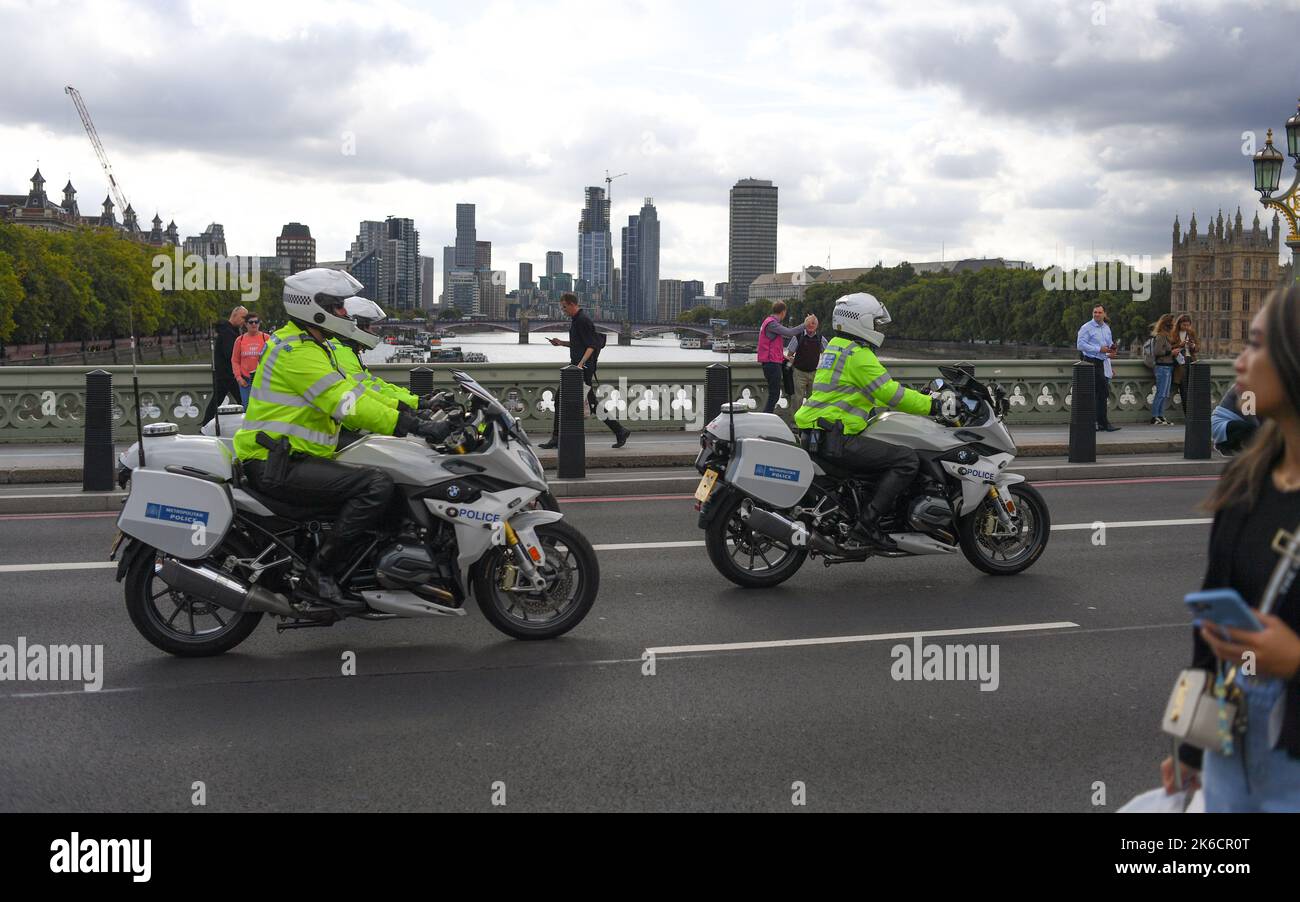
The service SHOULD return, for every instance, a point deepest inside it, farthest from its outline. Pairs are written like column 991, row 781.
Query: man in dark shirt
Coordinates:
column 584, row 346
column 223, row 377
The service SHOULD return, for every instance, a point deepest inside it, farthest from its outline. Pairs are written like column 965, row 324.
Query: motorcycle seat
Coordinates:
column 323, row 508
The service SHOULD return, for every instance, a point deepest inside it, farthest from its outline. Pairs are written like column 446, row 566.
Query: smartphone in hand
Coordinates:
column 1224, row 607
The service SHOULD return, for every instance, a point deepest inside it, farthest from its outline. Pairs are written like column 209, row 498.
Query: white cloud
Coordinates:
column 1000, row 128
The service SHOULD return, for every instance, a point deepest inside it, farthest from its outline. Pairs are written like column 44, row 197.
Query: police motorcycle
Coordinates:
column 203, row 555
column 768, row 501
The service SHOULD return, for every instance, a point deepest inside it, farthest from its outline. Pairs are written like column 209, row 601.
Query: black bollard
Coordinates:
column 1083, row 414
column 421, row 381
column 717, row 389
column 97, row 454
column 1196, row 434
column 573, row 438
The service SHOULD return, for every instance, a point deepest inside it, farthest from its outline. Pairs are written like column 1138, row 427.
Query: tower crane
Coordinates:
column 114, row 188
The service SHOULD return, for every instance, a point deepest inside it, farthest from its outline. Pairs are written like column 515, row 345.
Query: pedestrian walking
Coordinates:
column 584, row 345
column 248, row 350
column 1256, row 505
column 1097, row 346
column 224, row 384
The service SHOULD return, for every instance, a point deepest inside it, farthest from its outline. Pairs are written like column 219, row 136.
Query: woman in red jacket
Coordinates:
column 247, row 353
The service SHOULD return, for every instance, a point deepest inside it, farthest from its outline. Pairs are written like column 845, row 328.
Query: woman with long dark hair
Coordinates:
column 1185, row 350
column 1256, row 501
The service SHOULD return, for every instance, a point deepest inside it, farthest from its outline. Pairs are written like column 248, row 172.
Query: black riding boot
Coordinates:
column 870, row 527
column 318, row 580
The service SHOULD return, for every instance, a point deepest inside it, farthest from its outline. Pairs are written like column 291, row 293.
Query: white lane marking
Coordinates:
column 846, row 640
column 1133, row 524
column 635, row 546
column 71, row 565
column 639, row 546
column 1061, row 527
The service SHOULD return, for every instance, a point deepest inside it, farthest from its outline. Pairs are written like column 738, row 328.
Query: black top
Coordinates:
column 1241, row 558
column 223, row 348
column 582, row 335
column 807, row 352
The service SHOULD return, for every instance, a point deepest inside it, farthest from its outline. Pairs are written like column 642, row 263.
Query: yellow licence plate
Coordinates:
column 706, row 485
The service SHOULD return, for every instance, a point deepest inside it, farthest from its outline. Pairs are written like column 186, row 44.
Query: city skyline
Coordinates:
column 954, row 151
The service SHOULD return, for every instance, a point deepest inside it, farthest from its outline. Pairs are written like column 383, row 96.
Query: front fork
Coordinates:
column 1005, row 507
column 532, row 580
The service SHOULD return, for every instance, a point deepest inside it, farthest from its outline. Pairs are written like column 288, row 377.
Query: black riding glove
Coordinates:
column 936, row 407
column 437, row 400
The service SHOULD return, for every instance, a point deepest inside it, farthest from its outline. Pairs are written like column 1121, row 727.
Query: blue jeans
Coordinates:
column 1164, row 378
column 243, row 394
column 1274, row 775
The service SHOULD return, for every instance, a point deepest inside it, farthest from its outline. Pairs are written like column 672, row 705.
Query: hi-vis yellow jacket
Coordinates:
column 850, row 381
column 350, row 364
column 299, row 392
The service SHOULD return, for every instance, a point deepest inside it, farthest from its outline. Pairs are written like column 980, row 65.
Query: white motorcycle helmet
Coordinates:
column 858, row 315
column 312, row 297
column 364, row 311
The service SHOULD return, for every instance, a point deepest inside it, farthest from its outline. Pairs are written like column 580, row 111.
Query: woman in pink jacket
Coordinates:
column 248, row 351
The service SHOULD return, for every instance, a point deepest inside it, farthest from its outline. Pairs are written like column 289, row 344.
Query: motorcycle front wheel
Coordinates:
column 995, row 550
column 747, row 558
column 572, row 581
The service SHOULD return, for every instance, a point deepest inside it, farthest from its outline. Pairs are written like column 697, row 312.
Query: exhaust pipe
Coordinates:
column 774, row 526
column 222, row 589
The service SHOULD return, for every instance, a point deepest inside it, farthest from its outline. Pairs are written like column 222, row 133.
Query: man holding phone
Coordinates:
column 1097, row 346
column 584, row 346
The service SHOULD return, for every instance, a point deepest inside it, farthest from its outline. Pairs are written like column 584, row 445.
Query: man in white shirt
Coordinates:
column 1097, row 346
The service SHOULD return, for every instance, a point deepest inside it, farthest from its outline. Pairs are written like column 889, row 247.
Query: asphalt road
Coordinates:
column 441, row 710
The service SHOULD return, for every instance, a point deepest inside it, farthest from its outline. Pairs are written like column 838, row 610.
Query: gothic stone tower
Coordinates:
column 1222, row 277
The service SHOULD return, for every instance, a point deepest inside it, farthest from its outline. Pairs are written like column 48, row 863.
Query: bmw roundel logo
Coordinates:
column 451, row 512
column 453, row 491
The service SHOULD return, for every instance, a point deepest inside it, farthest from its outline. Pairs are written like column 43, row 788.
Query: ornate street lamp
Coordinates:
column 1268, row 177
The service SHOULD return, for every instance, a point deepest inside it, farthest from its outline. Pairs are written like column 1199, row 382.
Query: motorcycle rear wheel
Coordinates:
column 194, row 628
column 748, row 559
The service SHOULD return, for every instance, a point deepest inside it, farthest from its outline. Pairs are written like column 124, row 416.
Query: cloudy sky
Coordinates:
column 895, row 130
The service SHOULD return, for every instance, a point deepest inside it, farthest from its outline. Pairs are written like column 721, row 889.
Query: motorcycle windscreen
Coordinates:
column 773, row 472
column 182, row 516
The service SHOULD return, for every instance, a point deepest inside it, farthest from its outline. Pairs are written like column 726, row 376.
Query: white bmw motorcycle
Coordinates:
column 204, row 555
column 767, row 504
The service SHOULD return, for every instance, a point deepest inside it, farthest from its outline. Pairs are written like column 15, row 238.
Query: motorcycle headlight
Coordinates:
column 530, row 460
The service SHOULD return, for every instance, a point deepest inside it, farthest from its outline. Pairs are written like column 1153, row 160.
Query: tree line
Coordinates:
column 1008, row 305
column 91, row 284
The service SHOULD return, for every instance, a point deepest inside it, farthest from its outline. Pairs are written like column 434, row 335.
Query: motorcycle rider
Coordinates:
column 851, row 380
column 298, row 401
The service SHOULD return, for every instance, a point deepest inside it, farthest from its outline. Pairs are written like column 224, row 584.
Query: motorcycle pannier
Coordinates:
column 182, row 516
column 776, row 473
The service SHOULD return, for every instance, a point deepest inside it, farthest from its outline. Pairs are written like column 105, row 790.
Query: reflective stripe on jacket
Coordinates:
column 849, row 382
column 298, row 392
column 350, row 365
